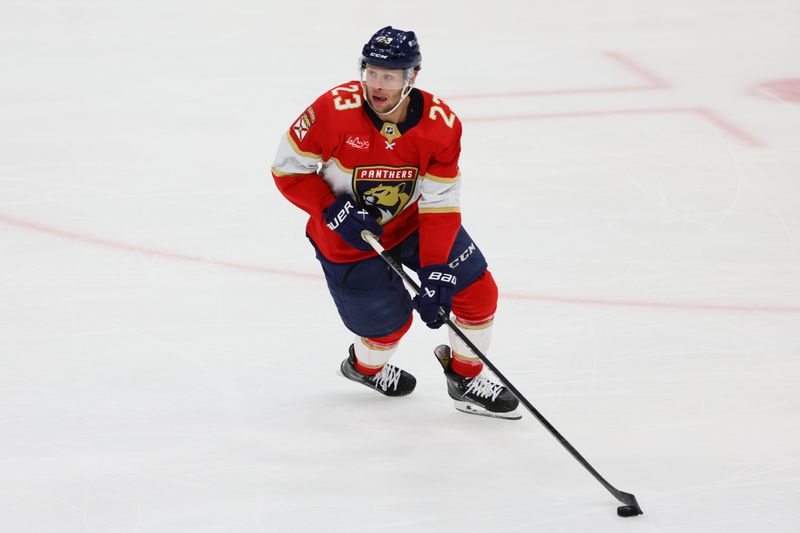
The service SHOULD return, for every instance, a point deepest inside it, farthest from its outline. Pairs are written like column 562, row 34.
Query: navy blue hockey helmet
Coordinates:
column 392, row 48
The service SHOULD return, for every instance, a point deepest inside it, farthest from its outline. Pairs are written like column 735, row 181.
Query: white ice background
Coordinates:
column 168, row 347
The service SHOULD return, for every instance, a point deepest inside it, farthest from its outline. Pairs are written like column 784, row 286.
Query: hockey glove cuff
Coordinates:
column 437, row 285
column 348, row 220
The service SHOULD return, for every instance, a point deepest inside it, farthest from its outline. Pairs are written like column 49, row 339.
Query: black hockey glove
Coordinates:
column 437, row 284
column 348, row 220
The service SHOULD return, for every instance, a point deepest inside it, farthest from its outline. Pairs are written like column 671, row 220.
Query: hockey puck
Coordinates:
column 628, row 510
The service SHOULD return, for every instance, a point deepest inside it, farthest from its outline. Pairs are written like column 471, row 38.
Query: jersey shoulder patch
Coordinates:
column 303, row 124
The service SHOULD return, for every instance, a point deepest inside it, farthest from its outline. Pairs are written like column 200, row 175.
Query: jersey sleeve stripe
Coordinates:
column 288, row 161
column 423, row 210
column 440, row 179
column 282, row 174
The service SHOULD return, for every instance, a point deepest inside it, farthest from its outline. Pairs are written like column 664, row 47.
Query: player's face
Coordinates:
column 384, row 86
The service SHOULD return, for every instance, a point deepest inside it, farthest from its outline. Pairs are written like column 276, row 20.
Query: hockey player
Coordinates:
column 381, row 155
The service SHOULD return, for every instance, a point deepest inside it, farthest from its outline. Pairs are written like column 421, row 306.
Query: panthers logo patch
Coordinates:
column 385, row 189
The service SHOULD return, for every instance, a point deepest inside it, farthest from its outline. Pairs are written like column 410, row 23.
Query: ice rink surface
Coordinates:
column 168, row 347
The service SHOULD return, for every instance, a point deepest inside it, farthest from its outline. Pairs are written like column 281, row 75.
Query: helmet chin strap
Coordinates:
column 407, row 86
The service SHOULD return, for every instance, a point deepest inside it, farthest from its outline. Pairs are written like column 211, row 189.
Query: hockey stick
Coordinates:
column 631, row 507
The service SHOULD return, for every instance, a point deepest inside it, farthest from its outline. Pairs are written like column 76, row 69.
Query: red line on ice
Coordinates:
column 704, row 113
column 653, row 304
column 175, row 256
column 727, row 126
column 651, row 82
column 167, row 254
column 654, row 81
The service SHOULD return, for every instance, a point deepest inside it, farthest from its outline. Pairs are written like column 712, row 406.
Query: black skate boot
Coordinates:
column 390, row 381
column 478, row 395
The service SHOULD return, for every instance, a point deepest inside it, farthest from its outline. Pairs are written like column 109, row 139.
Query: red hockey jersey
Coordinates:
column 407, row 172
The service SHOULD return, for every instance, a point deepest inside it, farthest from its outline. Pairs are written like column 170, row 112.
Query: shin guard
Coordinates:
column 465, row 363
column 372, row 354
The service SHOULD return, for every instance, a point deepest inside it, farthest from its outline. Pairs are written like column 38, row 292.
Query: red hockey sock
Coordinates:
column 466, row 368
column 367, row 370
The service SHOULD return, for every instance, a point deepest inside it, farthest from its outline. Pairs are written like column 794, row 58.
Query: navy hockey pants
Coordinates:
column 370, row 296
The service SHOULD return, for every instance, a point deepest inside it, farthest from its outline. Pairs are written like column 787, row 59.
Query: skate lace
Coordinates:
column 389, row 376
column 484, row 387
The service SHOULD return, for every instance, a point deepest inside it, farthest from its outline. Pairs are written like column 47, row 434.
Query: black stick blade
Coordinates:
column 631, row 509
column 628, row 510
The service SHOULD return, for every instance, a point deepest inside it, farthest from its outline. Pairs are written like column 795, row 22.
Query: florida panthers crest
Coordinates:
column 384, row 188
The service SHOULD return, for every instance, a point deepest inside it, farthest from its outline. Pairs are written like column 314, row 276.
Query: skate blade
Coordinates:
column 472, row 409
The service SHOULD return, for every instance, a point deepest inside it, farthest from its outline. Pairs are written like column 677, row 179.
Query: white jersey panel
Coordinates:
column 440, row 194
column 290, row 160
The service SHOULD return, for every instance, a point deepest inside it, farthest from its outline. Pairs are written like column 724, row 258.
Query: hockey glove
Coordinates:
column 437, row 284
column 348, row 220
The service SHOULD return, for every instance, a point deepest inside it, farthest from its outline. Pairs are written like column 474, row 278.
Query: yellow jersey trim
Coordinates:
column 426, row 210
column 440, row 179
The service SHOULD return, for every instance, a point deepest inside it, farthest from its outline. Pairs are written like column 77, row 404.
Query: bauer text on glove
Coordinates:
column 348, row 220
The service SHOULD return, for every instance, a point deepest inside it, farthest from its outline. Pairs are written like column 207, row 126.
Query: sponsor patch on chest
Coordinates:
column 384, row 189
column 357, row 142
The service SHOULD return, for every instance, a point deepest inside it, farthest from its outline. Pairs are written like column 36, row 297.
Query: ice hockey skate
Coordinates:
column 390, row 381
column 479, row 395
